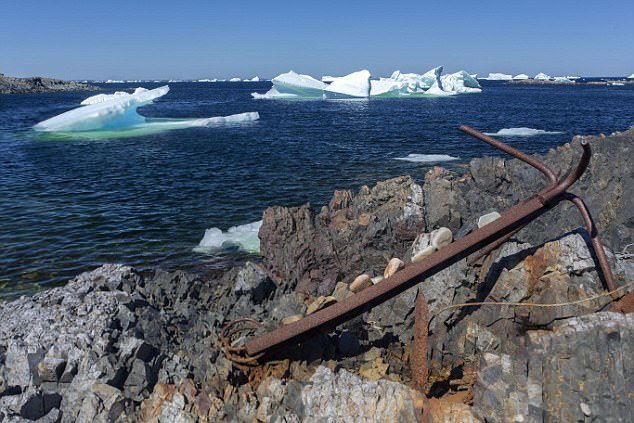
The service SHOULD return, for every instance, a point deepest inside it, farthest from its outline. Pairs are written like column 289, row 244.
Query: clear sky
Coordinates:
column 197, row 39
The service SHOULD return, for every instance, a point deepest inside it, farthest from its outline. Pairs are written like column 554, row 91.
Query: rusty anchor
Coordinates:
column 476, row 244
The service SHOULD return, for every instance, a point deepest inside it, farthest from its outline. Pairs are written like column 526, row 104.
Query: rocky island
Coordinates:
column 119, row 345
column 37, row 84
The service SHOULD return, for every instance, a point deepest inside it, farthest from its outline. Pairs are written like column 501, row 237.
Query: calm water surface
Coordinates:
column 70, row 205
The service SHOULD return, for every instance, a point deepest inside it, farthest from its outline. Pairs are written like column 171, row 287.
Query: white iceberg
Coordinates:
column 521, row 132
column 235, row 80
column 254, row 79
column 117, row 114
column 244, row 237
column 354, row 85
column 521, row 77
column 563, row 80
column 542, row 77
column 427, row 158
column 631, row 76
column 499, row 77
column 293, row 85
column 460, row 82
column 205, row 80
column 386, row 87
column 114, row 81
column 99, row 98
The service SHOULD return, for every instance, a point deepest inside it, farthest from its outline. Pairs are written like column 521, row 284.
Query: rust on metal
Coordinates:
column 488, row 237
column 418, row 354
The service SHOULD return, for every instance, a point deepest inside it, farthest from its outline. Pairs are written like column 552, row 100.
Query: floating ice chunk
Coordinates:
column 499, row 77
column 118, row 112
column 520, row 77
column 272, row 94
column 521, row 132
column 542, row 77
column 354, row 85
column 297, row 84
column 460, row 82
column 631, row 76
column 244, row 237
column 437, row 91
column 254, row 79
column 563, row 80
column 427, row 158
column 205, row 80
column 235, row 80
column 386, row 87
column 114, row 81
column 418, row 83
column 106, row 97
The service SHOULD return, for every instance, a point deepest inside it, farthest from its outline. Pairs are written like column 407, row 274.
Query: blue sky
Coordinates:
column 197, row 39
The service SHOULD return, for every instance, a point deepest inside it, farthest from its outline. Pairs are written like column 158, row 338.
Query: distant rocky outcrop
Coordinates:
column 37, row 84
column 119, row 345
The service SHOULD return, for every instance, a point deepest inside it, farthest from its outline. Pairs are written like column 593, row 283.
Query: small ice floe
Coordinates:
column 427, row 158
column 521, row 77
column 112, row 115
column 498, row 77
column 242, row 237
column 521, row 132
column 542, row 77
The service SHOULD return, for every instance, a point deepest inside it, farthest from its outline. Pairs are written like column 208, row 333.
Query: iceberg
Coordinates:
column 116, row 115
column 254, row 79
column 427, row 158
column 235, row 80
column 293, row 85
column 113, row 81
column 521, row 132
column 460, row 82
column 386, row 87
column 354, row 85
column 243, row 237
column 631, row 76
column 328, row 78
column 563, row 80
column 542, row 77
column 499, row 77
column 520, row 77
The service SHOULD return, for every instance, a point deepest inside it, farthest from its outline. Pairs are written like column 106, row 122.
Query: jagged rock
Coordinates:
column 343, row 396
column 354, row 234
column 563, row 374
column 253, row 280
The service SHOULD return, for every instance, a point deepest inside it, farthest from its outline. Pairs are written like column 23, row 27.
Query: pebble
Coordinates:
column 441, row 237
column 360, row 283
column 377, row 279
column 319, row 303
column 291, row 319
column 393, row 266
column 427, row 251
column 488, row 218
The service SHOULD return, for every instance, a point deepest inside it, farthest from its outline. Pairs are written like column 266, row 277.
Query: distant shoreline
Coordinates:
column 37, row 84
column 575, row 83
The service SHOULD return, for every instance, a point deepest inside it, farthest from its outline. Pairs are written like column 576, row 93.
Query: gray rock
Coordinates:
column 562, row 375
column 253, row 280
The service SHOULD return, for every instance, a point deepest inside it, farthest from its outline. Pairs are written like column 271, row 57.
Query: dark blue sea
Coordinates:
column 70, row 205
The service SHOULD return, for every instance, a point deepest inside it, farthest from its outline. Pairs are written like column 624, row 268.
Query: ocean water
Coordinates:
column 69, row 205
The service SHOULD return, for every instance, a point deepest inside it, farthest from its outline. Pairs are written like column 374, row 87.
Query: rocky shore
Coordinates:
column 37, row 84
column 119, row 345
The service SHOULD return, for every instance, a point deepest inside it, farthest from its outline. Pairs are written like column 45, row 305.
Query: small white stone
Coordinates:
column 377, row 279
column 427, row 251
column 393, row 266
column 360, row 283
column 488, row 218
column 441, row 237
